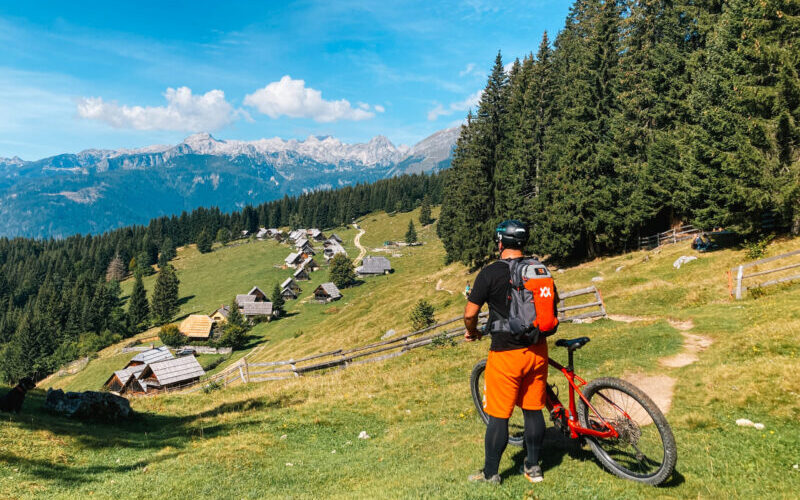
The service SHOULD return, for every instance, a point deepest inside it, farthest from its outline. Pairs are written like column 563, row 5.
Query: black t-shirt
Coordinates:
column 492, row 287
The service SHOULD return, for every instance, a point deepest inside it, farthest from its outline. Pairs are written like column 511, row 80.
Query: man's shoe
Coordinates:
column 532, row 473
column 479, row 477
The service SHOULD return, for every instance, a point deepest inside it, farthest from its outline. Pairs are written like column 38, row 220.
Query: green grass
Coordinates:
column 425, row 436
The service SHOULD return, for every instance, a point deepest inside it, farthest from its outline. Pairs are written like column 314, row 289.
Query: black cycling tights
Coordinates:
column 497, row 439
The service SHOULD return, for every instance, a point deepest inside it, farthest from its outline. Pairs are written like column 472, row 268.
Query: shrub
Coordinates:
column 756, row 249
column 422, row 315
column 171, row 336
column 233, row 336
column 341, row 271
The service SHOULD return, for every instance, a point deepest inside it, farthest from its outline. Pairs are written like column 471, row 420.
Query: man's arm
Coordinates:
column 471, row 322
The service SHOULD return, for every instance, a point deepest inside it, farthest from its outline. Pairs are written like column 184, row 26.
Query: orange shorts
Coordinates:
column 517, row 377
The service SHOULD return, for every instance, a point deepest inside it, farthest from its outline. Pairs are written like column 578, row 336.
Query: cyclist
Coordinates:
column 516, row 373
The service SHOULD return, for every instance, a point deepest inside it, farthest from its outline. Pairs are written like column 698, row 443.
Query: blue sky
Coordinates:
column 79, row 75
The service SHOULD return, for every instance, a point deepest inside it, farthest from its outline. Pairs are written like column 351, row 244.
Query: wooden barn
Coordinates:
column 309, row 264
column 150, row 356
column 288, row 294
column 120, row 378
column 333, row 249
column 374, row 266
column 197, row 327
column 327, row 292
column 301, row 274
column 171, row 373
column 316, row 234
column 291, row 284
column 294, row 259
column 253, row 311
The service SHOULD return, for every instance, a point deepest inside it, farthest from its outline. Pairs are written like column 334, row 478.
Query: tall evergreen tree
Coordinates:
column 278, row 301
column 116, row 269
column 411, row 233
column 164, row 302
column 138, row 307
column 425, row 211
column 204, row 242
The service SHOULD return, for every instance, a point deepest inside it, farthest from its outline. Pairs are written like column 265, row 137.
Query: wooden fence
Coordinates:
column 737, row 276
column 673, row 235
column 246, row 372
column 570, row 313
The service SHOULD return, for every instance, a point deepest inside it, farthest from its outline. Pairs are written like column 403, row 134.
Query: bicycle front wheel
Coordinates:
column 477, row 383
column 645, row 450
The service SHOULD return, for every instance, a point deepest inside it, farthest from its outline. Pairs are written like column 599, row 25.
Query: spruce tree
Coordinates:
column 234, row 315
column 204, row 242
column 223, row 236
column 278, row 301
column 164, row 302
column 138, row 307
column 422, row 315
column 425, row 211
column 411, row 234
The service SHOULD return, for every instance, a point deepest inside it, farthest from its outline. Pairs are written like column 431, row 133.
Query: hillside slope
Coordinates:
column 299, row 437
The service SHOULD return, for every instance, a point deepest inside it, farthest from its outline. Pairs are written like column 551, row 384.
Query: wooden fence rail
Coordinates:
column 246, row 372
column 673, row 235
column 736, row 276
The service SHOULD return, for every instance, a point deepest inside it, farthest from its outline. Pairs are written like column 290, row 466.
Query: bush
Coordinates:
column 756, row 249
column 422, row 315
column 171, row 336
column 341, row 271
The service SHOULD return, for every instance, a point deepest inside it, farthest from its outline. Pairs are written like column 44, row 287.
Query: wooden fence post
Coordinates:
column 293, row 367
column 739, row 282
column 241, row 374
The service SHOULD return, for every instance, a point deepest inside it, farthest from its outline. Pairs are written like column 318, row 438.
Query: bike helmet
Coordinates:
column 512, row 233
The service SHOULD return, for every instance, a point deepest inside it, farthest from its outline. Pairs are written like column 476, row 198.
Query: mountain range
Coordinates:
column 96, row 190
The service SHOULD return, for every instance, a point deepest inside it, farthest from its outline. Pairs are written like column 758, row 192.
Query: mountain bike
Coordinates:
column 625, row 429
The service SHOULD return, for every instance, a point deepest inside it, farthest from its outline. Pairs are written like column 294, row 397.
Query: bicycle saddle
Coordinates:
column 573, row 344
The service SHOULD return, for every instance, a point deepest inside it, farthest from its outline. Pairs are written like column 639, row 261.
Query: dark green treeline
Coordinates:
column 60, row 299
column 640, row 113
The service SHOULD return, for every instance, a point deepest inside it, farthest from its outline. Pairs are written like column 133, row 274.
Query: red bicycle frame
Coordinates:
column 575, row 428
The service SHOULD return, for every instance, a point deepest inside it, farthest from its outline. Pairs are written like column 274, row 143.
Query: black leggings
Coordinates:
column 497, row 439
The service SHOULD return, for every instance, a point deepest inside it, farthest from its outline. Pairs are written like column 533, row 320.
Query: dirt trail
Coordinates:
column 357, row 241
column 661, row 387
column 440, row 288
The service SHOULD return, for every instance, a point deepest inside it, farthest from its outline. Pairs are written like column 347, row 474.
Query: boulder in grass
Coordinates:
column 89, row 405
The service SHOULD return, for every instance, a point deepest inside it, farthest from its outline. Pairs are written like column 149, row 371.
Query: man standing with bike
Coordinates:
column 516, row 371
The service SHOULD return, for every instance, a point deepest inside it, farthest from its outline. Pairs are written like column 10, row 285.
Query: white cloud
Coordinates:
column 464, row 105
column 379, row 108
column 293, row 99
column 184, row 111
column 466, row 71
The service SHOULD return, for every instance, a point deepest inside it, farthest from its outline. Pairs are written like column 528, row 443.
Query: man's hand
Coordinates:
column 471, row 322
column 472, row 336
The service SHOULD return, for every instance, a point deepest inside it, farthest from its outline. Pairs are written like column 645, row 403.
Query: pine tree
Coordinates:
column 425, row 211
column 235, row 315
column 204, row 242
column 411, row 234
column 138, row 307
column 342, row 273
column 278, row 301
column 164, row 303
column 116, row 269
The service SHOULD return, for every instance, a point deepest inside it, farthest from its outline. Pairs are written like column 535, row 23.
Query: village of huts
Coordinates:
column 158, row 369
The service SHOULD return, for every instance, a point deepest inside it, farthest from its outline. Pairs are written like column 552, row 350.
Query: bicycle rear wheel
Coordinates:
column 516, row 424
column 645, row 450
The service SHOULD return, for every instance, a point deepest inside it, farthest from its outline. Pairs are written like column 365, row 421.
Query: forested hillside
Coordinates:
column 640, row 114
column 60, row 299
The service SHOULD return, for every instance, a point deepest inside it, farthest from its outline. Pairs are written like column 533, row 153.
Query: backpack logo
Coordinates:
column 545, row 292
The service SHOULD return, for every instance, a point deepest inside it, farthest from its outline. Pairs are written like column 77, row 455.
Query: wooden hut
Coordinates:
column 170, row 373
column 120, row 378
column 301, row 274
column 291, row 284
column 221, row 315
column 327, row 292
column 253, row 311
column 374, row 266
column 150, row 356
column 288, row 294
column 197, row 327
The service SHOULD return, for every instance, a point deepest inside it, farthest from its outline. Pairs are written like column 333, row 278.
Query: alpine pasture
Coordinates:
column 299, row 437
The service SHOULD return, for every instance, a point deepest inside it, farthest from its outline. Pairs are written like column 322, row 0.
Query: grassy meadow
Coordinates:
column 299, row 438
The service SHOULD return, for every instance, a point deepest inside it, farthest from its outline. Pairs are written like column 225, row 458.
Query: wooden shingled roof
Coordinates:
column 329, row 289
column 174, row 371
column 153, row 355
column 197, row 326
